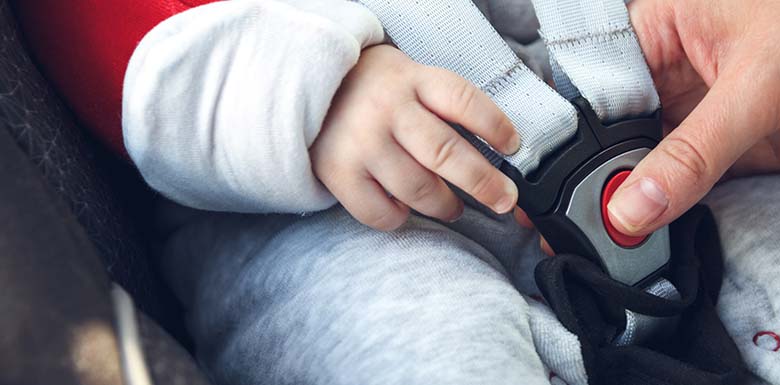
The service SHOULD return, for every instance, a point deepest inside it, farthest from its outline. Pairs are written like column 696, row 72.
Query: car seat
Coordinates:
column 70, row 239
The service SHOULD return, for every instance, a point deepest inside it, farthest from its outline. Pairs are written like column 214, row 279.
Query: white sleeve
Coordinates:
column 222, row 101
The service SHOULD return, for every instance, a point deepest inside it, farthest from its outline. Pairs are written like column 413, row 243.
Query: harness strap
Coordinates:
column 595, row 53
column 453, row 34
column 641, row 328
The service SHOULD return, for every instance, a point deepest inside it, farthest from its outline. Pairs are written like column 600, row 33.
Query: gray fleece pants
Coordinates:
column 324, row 300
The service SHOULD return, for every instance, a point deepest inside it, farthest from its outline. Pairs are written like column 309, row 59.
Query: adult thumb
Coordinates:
column 691, row 159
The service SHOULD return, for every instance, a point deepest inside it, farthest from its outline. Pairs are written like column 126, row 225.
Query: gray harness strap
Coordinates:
column 594, row 52
column 453, row 34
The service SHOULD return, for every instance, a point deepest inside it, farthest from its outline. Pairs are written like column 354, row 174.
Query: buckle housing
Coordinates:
column 563, row 196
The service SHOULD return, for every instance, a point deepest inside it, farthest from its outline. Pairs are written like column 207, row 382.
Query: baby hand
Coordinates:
column 385, row 147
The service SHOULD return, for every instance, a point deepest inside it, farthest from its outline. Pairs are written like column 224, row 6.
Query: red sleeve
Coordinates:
column 83, row 47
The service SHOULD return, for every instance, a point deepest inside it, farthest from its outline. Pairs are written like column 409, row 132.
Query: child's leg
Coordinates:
column 324, row 300
column 748, row 216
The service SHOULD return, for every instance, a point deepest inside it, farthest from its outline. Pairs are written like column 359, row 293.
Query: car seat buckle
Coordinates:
column 566, row 196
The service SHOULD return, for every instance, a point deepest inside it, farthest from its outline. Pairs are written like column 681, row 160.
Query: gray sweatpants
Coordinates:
column 324, row 300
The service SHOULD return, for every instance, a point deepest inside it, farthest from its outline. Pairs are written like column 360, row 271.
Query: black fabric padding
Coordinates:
column 53, row 287
column 592, row 306
column 54, row 292
column 106, row 195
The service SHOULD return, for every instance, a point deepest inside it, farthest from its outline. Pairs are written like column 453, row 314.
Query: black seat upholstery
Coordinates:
column 104, row 193
column 74, row 218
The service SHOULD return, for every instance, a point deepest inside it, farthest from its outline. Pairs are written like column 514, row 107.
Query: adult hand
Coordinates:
column 716, row 65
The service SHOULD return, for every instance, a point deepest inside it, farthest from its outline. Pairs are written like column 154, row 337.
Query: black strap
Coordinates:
column 592, row 306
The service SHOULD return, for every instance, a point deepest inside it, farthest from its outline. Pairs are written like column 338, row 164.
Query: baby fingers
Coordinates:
column 440, row 149
column 406, row 180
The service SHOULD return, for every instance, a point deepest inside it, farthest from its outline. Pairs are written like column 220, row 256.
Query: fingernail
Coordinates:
column 461, row 210
column 507, row 202
column 514, row 144
column 522, row 219
column 546, row 248
column 638, row 204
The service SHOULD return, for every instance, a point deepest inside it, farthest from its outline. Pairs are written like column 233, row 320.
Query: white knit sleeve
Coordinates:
column 222, row 102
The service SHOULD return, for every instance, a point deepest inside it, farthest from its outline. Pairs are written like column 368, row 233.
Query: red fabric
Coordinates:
column 83, row 47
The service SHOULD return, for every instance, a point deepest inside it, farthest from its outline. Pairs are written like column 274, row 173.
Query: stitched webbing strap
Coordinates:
column 595, row 52
column 453, row 34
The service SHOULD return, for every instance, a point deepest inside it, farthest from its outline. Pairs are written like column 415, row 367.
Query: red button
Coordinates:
column 619, row 238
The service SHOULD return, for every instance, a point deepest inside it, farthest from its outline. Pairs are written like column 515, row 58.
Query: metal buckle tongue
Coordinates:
column 565, row 196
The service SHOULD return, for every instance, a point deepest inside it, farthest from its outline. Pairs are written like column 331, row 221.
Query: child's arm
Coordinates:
column 222, row 102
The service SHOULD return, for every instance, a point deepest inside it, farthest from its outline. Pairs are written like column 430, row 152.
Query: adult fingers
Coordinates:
column 546, row 248
column 738, row 111
column 522, row 218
